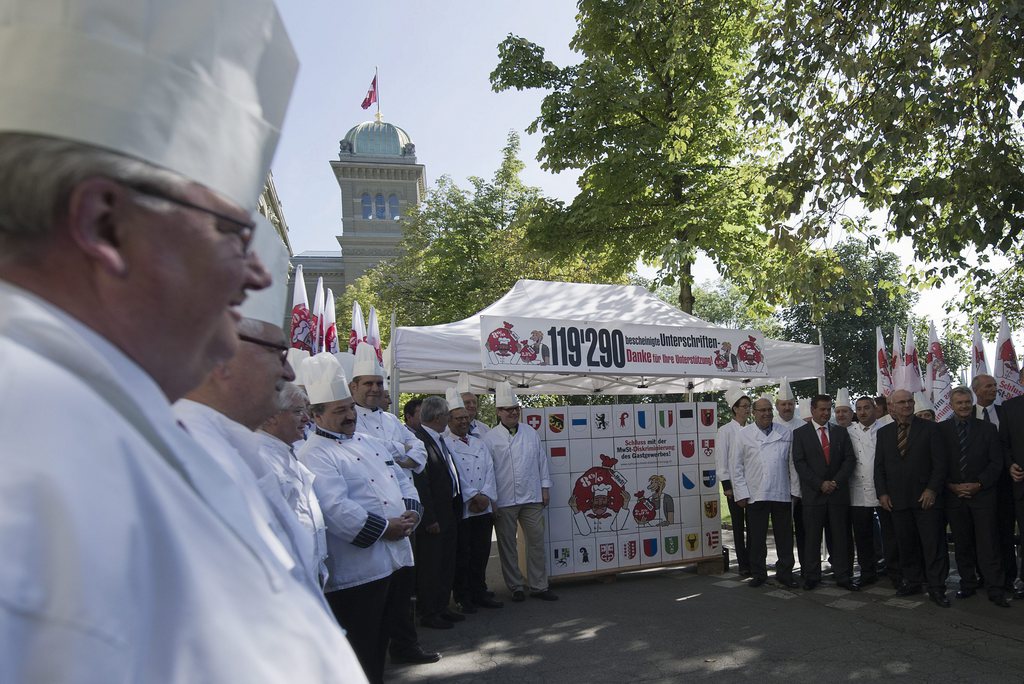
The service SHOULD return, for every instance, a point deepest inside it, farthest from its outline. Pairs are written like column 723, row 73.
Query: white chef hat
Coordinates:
column 269, row 304
column 194, row 86
column 922, row 403
column 601, row 489
column 454, row 399
column 366, row 361
column 297, row 360
column 462, row 385
column 504, row 397
column 327, row 381
column 733, row 395
column 785, row 391
column 346, row 361
column 843, row 398
column 805, row 409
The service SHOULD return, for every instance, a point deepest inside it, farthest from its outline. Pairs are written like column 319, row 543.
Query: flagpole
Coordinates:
column 376, row 79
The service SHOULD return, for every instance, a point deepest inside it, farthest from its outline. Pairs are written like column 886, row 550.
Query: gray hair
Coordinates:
column 433, row 408
column 289, row 393
column 961, row 390
column 38, row 175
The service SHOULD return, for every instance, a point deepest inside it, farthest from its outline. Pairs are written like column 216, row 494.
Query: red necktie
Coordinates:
column 824, row 443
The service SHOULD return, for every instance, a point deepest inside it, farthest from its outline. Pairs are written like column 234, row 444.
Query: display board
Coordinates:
column 632, row 485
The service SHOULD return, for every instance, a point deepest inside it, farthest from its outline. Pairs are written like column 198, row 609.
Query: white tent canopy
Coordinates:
column 428, row 359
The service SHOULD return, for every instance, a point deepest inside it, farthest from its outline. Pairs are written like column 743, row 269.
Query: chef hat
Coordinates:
column 805, row 409
column 366, row 361
column 767, row 397
column 346, row 361
column 454, row 399
column 196, row 87
column 922, row 403
column 462, row 385
column 785, row 391
column 327, row 381
column 602, row 489
column 843, row 398
column 733, row 395
column 504, row 397
column 297, row 360
column 269, row 304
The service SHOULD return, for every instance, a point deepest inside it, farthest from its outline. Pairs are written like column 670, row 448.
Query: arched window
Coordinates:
column 378, row 202
column 393, row 206
column 367, row 206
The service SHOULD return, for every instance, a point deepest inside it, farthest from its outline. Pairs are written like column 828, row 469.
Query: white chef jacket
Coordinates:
column 129, row 555
column 359, row 486
column 862, row 481
column 520, row 465
column 280, row 468
column 387, row 428
column 723, row 441
column 478, row 429
column 476, row 470
column 762, row 469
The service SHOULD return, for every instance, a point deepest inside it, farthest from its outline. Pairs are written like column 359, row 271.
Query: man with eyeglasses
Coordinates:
column 523, row 480
column 910, row 476
column 135, row 140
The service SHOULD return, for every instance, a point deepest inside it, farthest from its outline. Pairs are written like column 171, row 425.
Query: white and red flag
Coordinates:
column 979, row 364
column 318, row 317
column 1006, row 370
column 357, row 333
column 373, row 334
column 911, row 366
column 301, row 332
column 896, row 359
column 883, row 367
column 371, row 94
column 939, row 383
column 330, row 325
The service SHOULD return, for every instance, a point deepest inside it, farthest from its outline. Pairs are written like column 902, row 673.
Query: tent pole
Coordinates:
column 396, row 385
column 821, row 380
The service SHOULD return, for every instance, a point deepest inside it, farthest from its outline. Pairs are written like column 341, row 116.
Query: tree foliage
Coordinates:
column 723, row 303
column 911, row 109
column 463, row 249
column 651, row 116
column 849, row 333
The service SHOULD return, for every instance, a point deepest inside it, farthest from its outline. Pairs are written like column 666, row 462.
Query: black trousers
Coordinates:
column 976, row 541
column 402, row 627
column 798, row 524
column 890, row 547
column 435, row 568
column 816, row 517
column 364, row 612
column 781, row 514
column 1005, row 519
column 474, row 550
column 739, row 535
column 862, row 528
column 921, row 536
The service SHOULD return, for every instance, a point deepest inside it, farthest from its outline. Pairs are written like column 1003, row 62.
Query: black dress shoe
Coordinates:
column 518, row 596
column 416, row 656
column 466, row 607
column 965, row 593
column 908, row 590
column 1000, row 600
column 848, row 586
column 756, row 582
column 810, row 585
column 938, row 598
column 488, row 602
column 451, row 616
column 435, row 622
column 546, row 595
column 789, row 583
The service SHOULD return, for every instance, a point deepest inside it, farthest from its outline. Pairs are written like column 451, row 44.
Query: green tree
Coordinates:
column 463, row 249
column 723, row 303
column 995, row 293
column 651, row 117
column 912, row 110
column 849, row 333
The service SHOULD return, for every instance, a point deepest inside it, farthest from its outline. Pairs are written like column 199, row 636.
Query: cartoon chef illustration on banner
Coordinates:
column 599, row 498
column 655, row 510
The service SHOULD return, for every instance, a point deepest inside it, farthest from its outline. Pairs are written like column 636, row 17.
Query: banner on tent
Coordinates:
column 584, row 347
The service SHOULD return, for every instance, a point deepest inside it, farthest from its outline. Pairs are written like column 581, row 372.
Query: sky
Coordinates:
column 434, row 61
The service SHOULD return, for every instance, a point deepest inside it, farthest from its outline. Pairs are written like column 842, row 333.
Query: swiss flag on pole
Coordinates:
column 371, row 94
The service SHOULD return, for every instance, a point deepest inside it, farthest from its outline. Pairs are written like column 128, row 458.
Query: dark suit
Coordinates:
column 818, row 507
column 973, row 519
column 1005, row 511
column 435, row 553
column 920, row 533
column 1011, row 432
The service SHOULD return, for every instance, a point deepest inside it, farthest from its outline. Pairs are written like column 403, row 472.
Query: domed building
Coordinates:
column 379, row 181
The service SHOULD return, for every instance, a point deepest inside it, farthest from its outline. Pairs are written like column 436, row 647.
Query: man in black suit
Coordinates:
column 824, row 459
column 437, row 538
column 1011, row 430
column 974, row 464
column 910, row 476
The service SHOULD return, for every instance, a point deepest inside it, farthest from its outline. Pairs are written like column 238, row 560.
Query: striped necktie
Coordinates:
column 902, row 432
column 961, row 429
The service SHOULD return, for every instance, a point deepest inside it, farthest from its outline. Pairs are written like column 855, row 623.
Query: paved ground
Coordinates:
column 671, row 625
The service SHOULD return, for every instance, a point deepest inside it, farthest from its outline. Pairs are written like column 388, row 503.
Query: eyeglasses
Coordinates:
column 228, row 225
column 281, row 349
